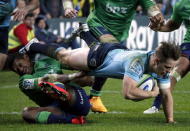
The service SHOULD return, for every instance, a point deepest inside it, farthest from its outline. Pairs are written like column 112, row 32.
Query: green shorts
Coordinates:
column 99, row 31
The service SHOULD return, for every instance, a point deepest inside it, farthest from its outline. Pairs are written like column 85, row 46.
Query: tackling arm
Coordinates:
column 28, row 82
column 63, row 78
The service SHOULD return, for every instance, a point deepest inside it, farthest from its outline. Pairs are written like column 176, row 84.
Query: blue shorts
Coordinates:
column 98, row 53
column 185, row 49
column 80, row 107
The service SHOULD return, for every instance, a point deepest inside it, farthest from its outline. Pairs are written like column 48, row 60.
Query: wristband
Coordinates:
column 153, row 11
column 67, row 5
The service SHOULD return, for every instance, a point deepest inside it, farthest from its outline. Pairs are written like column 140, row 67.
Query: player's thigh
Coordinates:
column 103, row 35
column 76, row 59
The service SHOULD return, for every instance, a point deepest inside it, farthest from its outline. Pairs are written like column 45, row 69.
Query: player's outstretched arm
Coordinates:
column 167, row 104
column 63, row 78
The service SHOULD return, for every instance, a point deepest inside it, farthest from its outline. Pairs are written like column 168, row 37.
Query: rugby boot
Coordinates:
column 97, row 105
column 55, row 90
column 79, row 120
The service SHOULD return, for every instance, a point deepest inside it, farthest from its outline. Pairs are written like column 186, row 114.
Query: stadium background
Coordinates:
column 141, row 37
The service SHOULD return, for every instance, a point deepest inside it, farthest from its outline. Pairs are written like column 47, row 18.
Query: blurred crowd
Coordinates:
column 35, row 24
column 54, row 8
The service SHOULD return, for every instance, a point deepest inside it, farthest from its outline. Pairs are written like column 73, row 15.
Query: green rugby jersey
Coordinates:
column 181, row 13
column 29, row 84
column 116, row 15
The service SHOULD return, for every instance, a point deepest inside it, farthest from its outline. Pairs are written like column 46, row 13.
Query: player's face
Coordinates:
column 165, row 67
column 23, row 66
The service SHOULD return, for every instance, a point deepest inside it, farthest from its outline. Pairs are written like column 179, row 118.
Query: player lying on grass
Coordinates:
column 107, row 60
column 58, row 102
column 180, row 15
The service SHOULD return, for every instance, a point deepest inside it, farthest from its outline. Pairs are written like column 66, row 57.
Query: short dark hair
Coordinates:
column 168, row 50
column 11, row 59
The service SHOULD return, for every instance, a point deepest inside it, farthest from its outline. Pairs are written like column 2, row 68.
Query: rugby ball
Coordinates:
column 146, row 83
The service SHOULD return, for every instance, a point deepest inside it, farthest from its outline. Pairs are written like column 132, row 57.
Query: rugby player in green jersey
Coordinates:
column 109, row 22
column 181, row 14
column 58, row 102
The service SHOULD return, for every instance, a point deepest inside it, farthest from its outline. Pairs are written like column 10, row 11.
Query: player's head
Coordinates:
column 19, row 63
column 166, row 57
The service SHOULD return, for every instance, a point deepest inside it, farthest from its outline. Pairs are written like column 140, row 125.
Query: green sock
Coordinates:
column 42, row 117
column 95, row 93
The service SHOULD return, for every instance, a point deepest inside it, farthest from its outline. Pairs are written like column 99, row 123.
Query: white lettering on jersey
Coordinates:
column 115, row 9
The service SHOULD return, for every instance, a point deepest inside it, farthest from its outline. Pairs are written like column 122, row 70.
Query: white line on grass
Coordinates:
column 111, row 112
column 9, row 86
column 10, row 113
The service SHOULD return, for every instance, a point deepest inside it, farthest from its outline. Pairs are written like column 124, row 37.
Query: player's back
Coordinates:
column 118, row 61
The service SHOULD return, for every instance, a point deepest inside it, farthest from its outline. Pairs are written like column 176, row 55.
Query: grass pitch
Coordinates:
column 123, row 115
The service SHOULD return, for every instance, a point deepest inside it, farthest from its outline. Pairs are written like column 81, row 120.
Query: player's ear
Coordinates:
column 156, row 61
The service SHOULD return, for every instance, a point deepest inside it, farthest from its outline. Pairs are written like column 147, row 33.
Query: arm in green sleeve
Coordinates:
column 28, row 82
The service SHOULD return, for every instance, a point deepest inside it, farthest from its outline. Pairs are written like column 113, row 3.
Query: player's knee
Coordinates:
column 27, row 115
column 107, row 38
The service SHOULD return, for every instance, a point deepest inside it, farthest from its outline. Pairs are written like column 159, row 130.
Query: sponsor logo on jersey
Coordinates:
column 136, row 67
column 116, row 9
column 28, row 84
column 81, row 97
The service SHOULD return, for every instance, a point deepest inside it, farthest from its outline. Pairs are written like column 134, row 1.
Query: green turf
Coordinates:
column 12, row 101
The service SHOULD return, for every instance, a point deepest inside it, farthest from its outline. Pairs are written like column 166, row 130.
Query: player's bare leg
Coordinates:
column 76, row 59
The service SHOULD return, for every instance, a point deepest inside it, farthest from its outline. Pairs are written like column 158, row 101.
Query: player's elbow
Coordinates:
column 128, row 95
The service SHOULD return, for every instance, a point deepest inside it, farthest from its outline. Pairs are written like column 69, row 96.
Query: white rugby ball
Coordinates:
column 146, row 83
